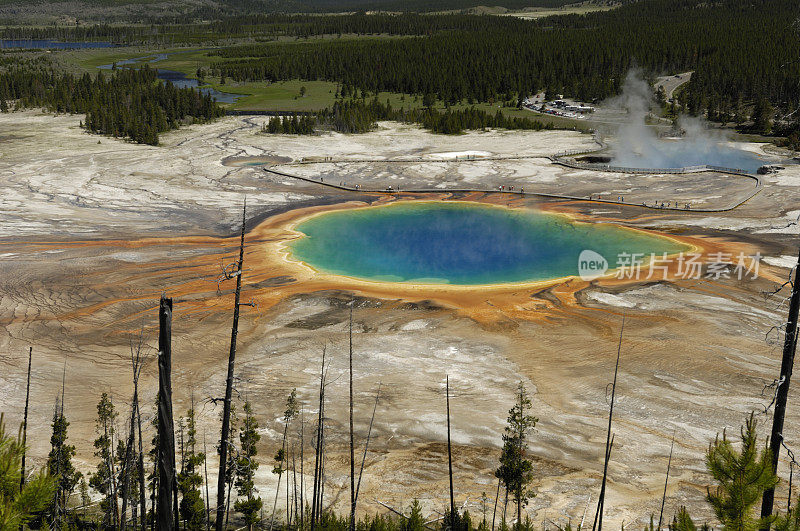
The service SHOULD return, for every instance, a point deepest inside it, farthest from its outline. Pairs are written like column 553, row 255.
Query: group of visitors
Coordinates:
column 620, row 198
column 669, row 204
column 656, row 204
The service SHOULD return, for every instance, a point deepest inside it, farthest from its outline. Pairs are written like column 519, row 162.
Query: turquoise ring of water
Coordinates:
column 461, row 243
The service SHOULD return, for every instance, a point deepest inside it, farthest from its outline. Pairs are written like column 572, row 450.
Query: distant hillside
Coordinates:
column 419, row 5
column 22, row 12
column 149, row 11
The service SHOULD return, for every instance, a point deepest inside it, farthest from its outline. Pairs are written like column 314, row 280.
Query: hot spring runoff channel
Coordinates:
column 461, row 243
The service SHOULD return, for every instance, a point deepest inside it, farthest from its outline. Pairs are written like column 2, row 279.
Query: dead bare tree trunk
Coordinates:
column 294, row 486
column 598, row 516
column 59, row 499
column 352, row 446
column 318, row 448
column 181, row 444
column 56, row 522
column 63, row 506
column 369, row 435
column 288, row 506
column 127, row 463
column 302, row 476
column 142, row 488
column 112, row 468
column 505, row 507
column 280, row 474
column 228, row 500
column 666, row 481
column 496, row 498
column 154, row 485
column 602, row 501
column 175, row 506
column 787, row 362
column 205, row 470
column 226, row 412
column 140, row 461
column 450, row 453
column 323, row 457
column 166, row 434
column 25, row 422
column 134, row 516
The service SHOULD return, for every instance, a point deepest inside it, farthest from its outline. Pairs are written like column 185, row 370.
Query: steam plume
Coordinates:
column 639, row 146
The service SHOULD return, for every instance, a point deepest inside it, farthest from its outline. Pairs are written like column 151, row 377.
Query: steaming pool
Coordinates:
column 673, row 154
column 460, row 243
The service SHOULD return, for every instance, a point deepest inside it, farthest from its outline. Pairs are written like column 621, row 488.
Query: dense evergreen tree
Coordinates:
column 683, row 522
column 415, row 521
column 18, row 504
column 83, row 488
column 738, row 51
column 359, row 116
column 60, row 466
column 246, row 466
column 516, row 469
column 742, row 477
column 290, row 125
column 790, row 521
column 104, row 480
column 129, row 103
column 192, row 508
column 264, row 18
column 762, row 116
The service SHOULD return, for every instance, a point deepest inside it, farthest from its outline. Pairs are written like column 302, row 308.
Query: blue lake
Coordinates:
column 147, row 58
column 51, row 44
column 460, row 243
column 179, row 79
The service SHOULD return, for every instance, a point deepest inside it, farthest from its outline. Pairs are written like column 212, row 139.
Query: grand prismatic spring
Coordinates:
column 461, row 243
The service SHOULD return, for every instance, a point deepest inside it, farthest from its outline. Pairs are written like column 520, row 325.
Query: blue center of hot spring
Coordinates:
column 460, row 243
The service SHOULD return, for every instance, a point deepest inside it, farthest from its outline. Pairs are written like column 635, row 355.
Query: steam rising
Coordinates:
column 638, row 145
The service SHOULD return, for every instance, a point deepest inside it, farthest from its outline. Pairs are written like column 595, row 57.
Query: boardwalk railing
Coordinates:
column 563, row 197
column 562, row 159
column 558, row 158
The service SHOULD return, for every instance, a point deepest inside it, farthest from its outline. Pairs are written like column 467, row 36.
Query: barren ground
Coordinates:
column 93, row 229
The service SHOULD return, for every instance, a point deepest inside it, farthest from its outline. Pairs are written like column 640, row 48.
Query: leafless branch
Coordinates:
column 775, row 385
column 768, row 294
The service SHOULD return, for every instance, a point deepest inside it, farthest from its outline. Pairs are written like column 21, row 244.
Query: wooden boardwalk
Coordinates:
column 559, row 158
column 392, row 191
